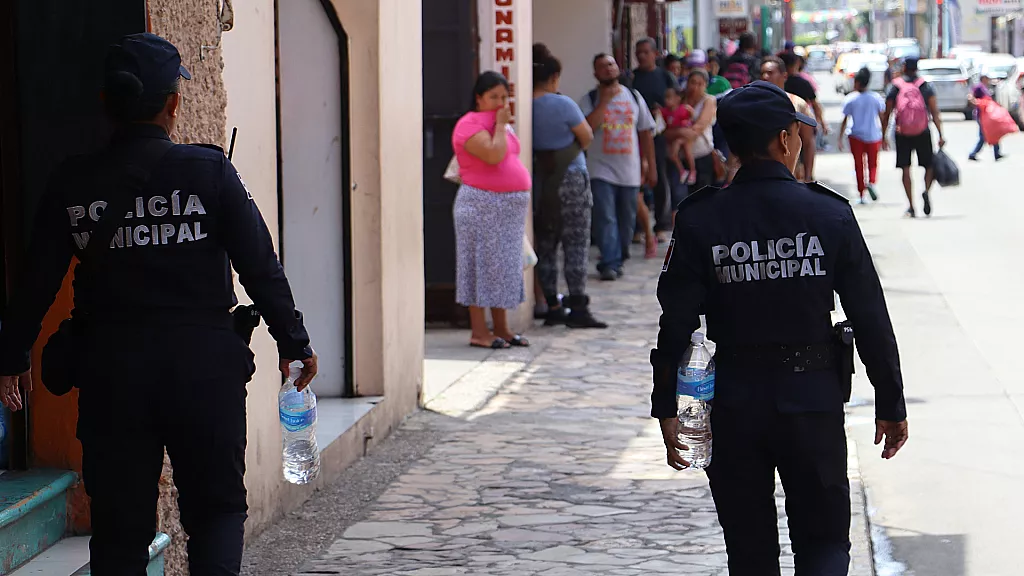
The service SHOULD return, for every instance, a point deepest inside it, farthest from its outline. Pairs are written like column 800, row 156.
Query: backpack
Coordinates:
column 592, row 95
column 911, row 111
column 738, row 74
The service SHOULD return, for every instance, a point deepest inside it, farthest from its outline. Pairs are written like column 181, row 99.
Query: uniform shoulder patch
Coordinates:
column 819, row 187
column 209, row 146
column 700, row 193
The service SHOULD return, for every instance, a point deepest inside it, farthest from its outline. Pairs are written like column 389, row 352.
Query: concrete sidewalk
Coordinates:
column 554, row 468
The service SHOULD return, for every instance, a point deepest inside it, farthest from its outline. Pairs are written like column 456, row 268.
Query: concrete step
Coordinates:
column 64, row 557
column 33, row 514
column 156, row 557
column 70, row 557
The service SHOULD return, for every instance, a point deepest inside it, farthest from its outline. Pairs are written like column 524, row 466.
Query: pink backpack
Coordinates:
column 911, row 110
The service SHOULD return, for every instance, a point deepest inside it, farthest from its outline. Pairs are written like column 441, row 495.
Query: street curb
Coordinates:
column 862, row 549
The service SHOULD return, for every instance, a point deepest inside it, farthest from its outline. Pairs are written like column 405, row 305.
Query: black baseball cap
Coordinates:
column 151, row 59
column 758, row 108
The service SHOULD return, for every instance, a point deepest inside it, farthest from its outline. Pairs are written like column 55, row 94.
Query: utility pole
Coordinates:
column 871, row 22
column 787, row 20
column 941, row 9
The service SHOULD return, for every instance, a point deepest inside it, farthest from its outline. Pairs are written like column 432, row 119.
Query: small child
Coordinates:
column 679, row 115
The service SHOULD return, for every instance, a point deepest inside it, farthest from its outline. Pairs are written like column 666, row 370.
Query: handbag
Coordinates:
column 58, row 362
column 529, row 256
column 451, row 173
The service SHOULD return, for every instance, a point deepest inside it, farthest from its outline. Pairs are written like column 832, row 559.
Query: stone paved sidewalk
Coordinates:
column 561, row 473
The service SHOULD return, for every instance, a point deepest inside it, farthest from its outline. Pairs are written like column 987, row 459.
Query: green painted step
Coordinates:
column 33, row 513
column 156, row 557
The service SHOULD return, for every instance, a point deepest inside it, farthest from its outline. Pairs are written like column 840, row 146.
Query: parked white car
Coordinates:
column 951, row 81
column 1007, row 91
column 852, row 63
column 963, row 50
column 997, row 67
column 901, row 48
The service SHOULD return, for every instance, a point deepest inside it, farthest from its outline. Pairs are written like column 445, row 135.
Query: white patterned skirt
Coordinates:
column 489, row 228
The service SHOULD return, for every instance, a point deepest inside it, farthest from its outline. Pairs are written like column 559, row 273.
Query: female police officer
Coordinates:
column 763, row 258
column 157, row 227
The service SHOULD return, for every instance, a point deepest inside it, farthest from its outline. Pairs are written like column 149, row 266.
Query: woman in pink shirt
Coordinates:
column 490, row 214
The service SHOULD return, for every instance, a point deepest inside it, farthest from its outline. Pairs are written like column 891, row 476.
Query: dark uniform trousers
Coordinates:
column 809, row 451
column 663, row 205
column 147, row 386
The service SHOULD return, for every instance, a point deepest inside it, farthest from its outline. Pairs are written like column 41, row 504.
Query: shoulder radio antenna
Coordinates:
column 231, row 145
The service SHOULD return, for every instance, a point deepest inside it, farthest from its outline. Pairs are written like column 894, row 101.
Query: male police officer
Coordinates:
column 763, row 257
column 157, row 362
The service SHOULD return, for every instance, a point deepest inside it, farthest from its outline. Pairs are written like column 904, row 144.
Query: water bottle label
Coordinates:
column 689, row 385
column 296, row 421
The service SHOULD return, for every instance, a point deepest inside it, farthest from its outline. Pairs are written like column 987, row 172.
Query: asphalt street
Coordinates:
column 950, row 503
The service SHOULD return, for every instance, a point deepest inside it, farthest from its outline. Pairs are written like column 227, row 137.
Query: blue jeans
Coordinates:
column 981, row 142
column 614, row 219
column 679, row 188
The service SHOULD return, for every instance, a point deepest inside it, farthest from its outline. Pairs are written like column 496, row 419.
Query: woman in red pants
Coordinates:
column 865, row 108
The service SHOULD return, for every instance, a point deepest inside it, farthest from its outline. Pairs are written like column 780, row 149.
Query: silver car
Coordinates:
column 950, row 79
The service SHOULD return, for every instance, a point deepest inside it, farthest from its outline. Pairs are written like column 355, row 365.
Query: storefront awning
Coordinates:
column 817, row 16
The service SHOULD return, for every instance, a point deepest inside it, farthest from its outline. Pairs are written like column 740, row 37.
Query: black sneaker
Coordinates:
column 607, row 274
column 579, row 314
column 1000, row 157
column 620, row 271
column 872, row 192
column 582, row 318
column 910, row 213
column 556, row 317
column 927, row 204
column 972, row 158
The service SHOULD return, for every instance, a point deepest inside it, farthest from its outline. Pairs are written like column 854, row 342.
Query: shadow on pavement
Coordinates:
column 943, row 554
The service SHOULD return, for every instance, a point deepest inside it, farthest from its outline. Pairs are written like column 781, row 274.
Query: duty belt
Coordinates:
column 777, row 357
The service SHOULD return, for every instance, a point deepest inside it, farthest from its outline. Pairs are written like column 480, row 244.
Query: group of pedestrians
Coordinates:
column 612, row 165
column 608, row 166
column 910, row 104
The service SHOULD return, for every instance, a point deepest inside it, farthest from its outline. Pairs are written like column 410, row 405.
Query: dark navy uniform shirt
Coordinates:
column 169, row 259
column 763, row 258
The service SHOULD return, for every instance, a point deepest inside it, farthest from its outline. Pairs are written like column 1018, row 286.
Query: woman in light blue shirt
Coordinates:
column 563, row 199
column 865, row 108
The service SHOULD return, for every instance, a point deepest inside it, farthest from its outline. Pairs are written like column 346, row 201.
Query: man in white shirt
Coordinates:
column 623, row 129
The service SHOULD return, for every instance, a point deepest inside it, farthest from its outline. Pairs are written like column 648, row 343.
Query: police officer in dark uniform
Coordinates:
column 763, row 259
column 156, row 227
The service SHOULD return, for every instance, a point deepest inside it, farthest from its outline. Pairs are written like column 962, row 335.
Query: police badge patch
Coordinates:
column 246, row 188
column 668, row 255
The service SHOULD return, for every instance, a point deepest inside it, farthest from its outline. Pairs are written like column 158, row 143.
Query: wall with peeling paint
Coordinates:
column 194, row 27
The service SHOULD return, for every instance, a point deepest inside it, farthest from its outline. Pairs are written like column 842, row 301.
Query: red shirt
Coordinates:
column 678, row 118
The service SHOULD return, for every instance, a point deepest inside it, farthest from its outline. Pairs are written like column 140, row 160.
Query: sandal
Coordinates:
column 519, row 342
column 496, row 344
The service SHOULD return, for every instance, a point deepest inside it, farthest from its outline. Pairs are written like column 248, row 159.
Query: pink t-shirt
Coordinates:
column 509, row 175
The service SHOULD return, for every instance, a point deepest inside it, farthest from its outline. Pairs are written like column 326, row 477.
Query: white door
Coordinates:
column 313, row 243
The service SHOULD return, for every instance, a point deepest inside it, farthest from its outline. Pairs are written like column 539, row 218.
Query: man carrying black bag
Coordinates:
column 153, row 346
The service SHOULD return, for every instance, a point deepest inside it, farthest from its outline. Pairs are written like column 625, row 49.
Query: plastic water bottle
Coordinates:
column 301, row 456
column 695, row 388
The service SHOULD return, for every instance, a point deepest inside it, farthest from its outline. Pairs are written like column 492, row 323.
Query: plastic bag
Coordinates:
column 996, row 121
column 529, row 256
column 946, row 171
column 452, row 173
